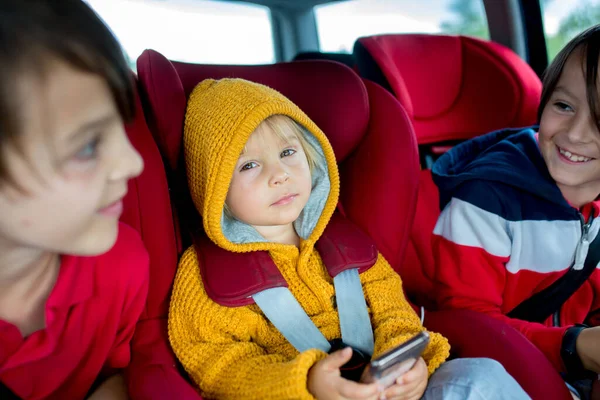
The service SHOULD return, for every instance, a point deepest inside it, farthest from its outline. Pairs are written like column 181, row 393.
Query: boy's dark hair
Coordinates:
column 589, row 43
column 32, row 32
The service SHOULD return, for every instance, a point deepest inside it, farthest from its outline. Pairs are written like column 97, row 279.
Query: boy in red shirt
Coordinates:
column 73, row 281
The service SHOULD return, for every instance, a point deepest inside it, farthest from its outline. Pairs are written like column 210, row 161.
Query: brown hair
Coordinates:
column 34, row 31
column 589, row 43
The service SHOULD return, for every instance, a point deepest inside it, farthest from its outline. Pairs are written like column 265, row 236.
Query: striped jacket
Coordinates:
column 506, row 232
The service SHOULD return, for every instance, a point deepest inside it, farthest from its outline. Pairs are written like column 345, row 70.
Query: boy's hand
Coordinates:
column 409, row 386
column 588, row 348
column 326, row 383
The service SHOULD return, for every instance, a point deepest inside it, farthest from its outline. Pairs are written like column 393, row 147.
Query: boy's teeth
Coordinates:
column 573, row 157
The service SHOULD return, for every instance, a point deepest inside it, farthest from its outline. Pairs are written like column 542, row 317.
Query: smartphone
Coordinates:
column 386, row 368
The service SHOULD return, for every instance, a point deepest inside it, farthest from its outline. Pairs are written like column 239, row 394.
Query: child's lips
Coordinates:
column 285, row 200
column 113, row 210
column 571, row 157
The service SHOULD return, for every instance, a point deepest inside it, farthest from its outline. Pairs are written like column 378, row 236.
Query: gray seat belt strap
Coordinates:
column 284, row 311
column 355, row 323
column 288, row 316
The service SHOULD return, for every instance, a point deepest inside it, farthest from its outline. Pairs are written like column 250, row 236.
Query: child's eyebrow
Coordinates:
column 94, row 124
column 563, row 90
column 243, row 156
column 288, row 140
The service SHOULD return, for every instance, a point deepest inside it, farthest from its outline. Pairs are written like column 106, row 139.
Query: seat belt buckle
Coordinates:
column 354, row 368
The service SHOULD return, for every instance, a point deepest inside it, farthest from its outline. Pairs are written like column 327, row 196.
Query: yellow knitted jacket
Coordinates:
column 236, row 353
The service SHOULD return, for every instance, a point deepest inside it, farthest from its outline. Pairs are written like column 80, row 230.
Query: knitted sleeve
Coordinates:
column 215, row 347
column 393, row 319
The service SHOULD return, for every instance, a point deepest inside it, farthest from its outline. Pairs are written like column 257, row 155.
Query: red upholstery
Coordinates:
column 147, row 208
column 417, row 268
column 454, row 88
column 474, row 334
column 347, row 97
column 376, row 149
column 308, row 84
column 344, row 58
column 342, row 246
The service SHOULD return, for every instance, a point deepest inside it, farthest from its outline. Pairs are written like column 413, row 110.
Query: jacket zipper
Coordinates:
column 584, row 244
column 556, row 318
column 580, row 254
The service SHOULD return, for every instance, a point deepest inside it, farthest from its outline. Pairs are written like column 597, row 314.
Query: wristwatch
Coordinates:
column 569, row 354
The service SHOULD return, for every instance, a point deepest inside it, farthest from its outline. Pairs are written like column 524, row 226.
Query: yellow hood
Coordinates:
column 220, row 117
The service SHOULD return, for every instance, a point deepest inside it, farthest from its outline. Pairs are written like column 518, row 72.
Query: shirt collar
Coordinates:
column 75, row 282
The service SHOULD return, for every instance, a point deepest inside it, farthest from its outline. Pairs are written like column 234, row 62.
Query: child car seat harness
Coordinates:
column 238, row 279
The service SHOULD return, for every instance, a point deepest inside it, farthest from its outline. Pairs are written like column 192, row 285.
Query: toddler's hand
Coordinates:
column 409, row 386
column 326, row 383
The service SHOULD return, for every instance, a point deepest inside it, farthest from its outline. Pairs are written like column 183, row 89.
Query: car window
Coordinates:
column 564, row 19
column 341, row 23
column 194, row 31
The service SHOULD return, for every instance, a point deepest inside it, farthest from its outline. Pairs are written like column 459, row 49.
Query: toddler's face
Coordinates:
column 271, row 182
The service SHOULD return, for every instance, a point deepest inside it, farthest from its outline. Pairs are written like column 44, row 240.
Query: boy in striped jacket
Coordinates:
column 519, row 209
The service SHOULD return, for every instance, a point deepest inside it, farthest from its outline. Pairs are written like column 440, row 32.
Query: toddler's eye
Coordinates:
column 248, row 166
column 89, row 151
column 288, row 152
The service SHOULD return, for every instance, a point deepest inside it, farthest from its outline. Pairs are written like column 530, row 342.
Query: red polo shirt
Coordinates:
column 90, row 318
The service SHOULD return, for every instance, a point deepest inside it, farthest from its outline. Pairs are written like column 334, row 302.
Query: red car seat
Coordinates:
column 147, row 208
column 366, row 127
column 321, row 89
column 346, row 59
column 453, row 88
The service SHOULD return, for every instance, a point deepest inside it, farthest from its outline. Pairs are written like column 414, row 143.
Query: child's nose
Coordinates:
column 129, row 163
column 582, row 130
column 279, row 176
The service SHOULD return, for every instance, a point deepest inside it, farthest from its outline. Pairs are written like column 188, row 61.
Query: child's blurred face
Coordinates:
column 72, row 166
column 271, row 182
column 568, row 135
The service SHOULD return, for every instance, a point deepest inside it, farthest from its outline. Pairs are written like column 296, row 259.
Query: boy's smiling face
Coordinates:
column 70, row 165
column 271, row 182
column 568, row 135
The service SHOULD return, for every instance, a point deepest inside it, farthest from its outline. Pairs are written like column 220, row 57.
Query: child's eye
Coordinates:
column 563, row 106
column 288, row 152
column 89, row 151
column 248, row 166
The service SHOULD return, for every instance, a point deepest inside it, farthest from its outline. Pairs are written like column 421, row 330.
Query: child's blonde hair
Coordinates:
column 280, row 124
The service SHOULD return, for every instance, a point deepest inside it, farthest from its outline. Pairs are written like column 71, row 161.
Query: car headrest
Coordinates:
column 453, row 87
column 346, row 59
column 331, row 94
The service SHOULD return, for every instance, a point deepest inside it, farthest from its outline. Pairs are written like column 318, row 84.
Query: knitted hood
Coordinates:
column 220, row 117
